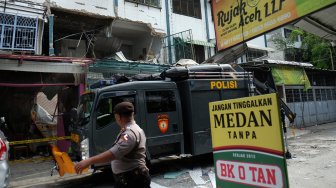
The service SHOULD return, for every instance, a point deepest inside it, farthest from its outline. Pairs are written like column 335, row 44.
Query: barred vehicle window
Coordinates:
column 152, row 3
column 105, row 108
column 160, row 101
column 289, row 95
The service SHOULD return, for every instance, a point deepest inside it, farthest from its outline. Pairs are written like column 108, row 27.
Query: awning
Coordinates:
column 44, row 64
column 294, row 63
column 51, row 67
column 228, row 55
column 113, row 66
column 201, row 43
column 290, row 76
column 321, row 23
column 259, row 47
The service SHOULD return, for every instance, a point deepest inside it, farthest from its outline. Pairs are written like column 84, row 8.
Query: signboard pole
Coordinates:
column 288, row 154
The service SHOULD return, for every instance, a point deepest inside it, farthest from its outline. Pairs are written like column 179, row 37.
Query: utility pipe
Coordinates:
column 168, row 32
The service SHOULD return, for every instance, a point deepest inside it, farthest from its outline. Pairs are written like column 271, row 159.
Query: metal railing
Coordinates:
column 179, row 45
column 18, row 32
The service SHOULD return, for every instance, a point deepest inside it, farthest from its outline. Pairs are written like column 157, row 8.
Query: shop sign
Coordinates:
column 248, row 143
column 239, row 20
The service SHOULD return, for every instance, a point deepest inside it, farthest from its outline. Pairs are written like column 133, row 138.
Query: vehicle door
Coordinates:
column 105, row 129
column 163, row 125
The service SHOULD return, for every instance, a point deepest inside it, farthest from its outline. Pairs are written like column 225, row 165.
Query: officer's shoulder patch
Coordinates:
column 124, row 137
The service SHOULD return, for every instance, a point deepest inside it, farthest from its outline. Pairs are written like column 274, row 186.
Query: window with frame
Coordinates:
column 152, row 3
column 85, row 107
column 105, row 108
column 293, row 54
column 160, row 101
column 255, row 53
column 288, row 32
column 190, row 8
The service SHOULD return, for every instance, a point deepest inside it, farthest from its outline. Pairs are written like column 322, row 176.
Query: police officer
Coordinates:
column 127, row 155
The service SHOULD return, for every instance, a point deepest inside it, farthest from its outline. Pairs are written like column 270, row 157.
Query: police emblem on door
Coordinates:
column 163, row 122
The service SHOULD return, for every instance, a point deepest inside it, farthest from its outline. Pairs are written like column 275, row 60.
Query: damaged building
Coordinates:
column 51, row 50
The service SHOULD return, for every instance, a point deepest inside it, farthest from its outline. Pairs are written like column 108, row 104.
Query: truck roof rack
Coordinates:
column 223, row 71
column 222, row 75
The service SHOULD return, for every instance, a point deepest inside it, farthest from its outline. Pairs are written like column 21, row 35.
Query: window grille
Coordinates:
column 296, row 95
column 18, row 32
column 318, row 95
column 289, row 95
column 152, row 3
column 180, row 45
column 310, row 95
column 303, row 95
column 190, row 8
column 329, row 94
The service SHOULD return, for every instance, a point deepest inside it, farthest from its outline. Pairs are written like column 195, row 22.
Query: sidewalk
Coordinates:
column 35, row 173
column 295, row 132
column 292, row 132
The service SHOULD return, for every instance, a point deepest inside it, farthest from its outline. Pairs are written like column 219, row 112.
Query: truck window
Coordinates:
column 160, row 101
column 85, row 106
column 105, row 107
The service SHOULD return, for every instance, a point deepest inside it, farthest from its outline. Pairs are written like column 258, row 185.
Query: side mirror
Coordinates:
column 73, row 115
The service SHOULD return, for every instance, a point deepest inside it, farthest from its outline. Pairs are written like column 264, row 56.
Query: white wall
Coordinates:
column 26, row 9
column 211, row 22
column 136, row 12
column 259, row 41
column 156, row 17
column 122, row 9
column 180, row 23
column 99, row 7
column 277, row 54
column 142, row 13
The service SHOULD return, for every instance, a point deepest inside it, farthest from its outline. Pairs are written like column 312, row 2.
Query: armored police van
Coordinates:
column 173, row 111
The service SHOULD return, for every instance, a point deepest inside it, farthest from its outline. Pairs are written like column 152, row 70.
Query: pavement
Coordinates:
column 293, row 132
column 36, row 173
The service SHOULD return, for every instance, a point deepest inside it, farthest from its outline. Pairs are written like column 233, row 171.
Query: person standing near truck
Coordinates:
column 128, row 153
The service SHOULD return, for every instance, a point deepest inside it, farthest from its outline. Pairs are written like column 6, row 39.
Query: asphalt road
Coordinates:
column 313, row 164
